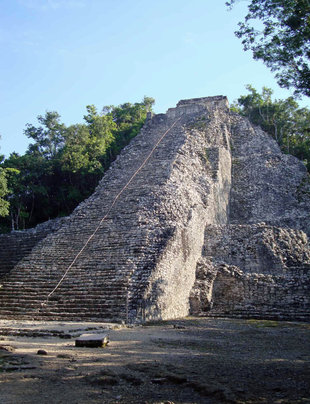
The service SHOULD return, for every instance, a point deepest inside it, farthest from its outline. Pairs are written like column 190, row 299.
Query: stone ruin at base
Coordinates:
column 214, row 223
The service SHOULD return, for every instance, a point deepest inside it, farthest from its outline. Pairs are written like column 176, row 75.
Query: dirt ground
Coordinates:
column 192, row 360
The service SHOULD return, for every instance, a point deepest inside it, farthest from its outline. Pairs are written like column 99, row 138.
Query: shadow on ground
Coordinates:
column 185, row 361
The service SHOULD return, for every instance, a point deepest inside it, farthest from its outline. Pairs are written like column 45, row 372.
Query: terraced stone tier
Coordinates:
column 17, row 244
column 203, row 213
column 267, row 185
column 149, row 242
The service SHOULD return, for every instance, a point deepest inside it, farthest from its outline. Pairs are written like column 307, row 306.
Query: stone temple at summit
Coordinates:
column 200, row 214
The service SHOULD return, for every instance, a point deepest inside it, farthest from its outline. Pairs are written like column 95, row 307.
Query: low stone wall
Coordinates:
column 283, row 296
column 257, row 248
column 253, row 271
column 16, row 245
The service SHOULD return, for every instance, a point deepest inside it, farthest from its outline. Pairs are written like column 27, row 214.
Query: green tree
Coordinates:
column 284, row 120
column 63, row 165
column 129, row 119
column 283, row 41
column 4, row 205
column 34, row 179
column 91, row 147
column 49, row 137
column 28, row 190
column 86, row 154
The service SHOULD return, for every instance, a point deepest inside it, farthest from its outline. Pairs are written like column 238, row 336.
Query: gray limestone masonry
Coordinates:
column 215, row 223
column 17, row 244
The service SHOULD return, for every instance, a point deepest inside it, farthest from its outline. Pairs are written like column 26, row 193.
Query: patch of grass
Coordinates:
column 263, row 323
column 1, row 364
column 273, row 323
column 186, row 321
column 303, row 188
column 199, row 124
column 183, row 344
column 235, row 162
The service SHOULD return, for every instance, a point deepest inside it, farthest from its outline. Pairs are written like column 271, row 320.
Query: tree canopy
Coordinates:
column 278, row 33
column 4, row 205
column 284, row 120
column 63, row 165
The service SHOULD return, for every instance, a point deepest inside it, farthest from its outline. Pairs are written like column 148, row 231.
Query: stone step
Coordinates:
column 95, row 275
column 65, row 284
column 115, row 292
column 118, row 317
column 298, row 315
column 70, row 308
column 69, row 303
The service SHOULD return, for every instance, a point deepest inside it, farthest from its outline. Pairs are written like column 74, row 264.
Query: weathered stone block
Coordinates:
column 92, row 340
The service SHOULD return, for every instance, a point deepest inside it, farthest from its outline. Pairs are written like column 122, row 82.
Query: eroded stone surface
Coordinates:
column 214, row 223
column 253, row 271
column 267, row 185
column 17, row 244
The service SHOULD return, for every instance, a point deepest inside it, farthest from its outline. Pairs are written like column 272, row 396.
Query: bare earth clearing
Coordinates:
column 183, row 361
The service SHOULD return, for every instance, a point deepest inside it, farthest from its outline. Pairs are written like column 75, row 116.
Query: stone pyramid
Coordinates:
column 201, row 213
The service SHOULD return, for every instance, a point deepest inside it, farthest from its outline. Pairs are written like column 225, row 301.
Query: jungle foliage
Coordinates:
column 284, row 120
column 278, row 33
column 63, row 164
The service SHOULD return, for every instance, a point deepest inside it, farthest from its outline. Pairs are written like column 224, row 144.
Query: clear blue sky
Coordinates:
column 65, row 54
